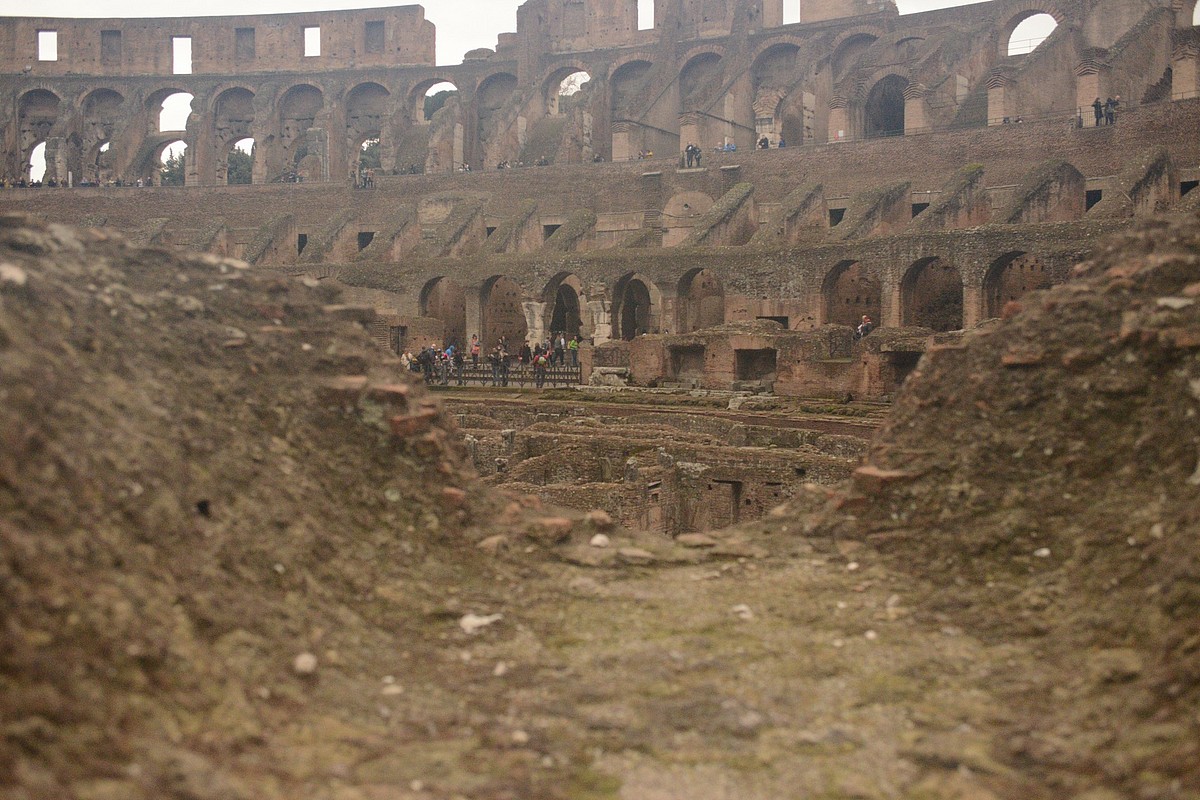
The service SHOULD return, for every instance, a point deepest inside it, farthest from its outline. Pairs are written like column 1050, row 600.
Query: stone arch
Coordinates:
column 416, row 99
column 1010, row 277
column 774, row 75
column 502, row 313
column 246, row 148
column 445, row 300
column 627, row 81
column 101, row 113
column 366, row 111
column 552, row 86
column 233, row 115
column 37, row 113
column 1022, row 39
column 566, row 306
column 883, row 111
column 701, row 301
column 848, row 48
column 851, row 292
column 160, row 154
column 931, row 296
column 636, row 308
column 299, row 107
column 700, row 81
column 1022, row 11
column 166, row 104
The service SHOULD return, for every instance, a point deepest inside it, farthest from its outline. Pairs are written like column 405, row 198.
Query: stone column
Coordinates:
column 974, row 301
column 839, row 119
column 916, row 109
column 691, row 130
column 622, row 141
column 1185, row 65
column 999, row 86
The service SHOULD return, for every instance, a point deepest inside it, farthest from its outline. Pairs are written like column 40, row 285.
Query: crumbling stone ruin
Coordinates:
column 930, row 177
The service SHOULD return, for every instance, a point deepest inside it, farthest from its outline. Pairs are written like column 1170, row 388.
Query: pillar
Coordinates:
column 839, row 120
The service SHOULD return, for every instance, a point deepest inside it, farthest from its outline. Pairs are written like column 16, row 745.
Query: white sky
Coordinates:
column 462, row 25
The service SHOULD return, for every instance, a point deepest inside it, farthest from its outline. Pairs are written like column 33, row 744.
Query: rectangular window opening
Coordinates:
column 491, row 229
column 836, row 215
column 791, row 11
column 374, row 36
column 917, row 208
column 47, row 45
column 364, row 239
column 110, row 47
column 784, row 321
column 312, row 41
column 548, row 230
column 1094, row 196
column 181, row 55
column 645, row 17
column 301, row 242
column 1187, row 186
column 243, row 44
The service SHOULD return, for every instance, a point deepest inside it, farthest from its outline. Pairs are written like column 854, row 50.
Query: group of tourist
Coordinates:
column 363, row 178
column 440, row 366
column 1106, row 111
column 692, row 155
column 765, row 143
column 55, row 183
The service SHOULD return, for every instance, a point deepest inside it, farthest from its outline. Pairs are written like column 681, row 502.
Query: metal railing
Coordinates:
column 519, row 375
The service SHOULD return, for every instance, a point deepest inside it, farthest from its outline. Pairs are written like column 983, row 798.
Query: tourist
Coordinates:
column 494, row 359
column 560, row 350
column 782, row 144
column 1110, row 110
column 573, row 348
column 475, row 349
column 525, row 355
column 764, row 143
column 539, row 369
column 864, row 328
column 457, row 361
column 1098, row 109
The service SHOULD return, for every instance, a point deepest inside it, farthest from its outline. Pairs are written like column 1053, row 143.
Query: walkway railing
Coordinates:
column 518, row 375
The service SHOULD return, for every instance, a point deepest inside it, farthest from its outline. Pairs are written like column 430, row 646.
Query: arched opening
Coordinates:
column 173, row 111
column 491, row 96
column 851, row 293
column 700, row 82
column 931, row 296
column 443, row 299
column 884, row 111
column 849, row 52
column 37, row 163
column 564, row 316
column 298, row 111
column 503, row 309
column 172, row 160
column 635, row 309
column 239, row 166
column 97, row 165
column 432, row 98
column 701, row 301
column 1030, row 33
column 566, row 92
column 101, row 110
column 37, row 113
column 366, row 112
column 777, row 105
column 1011, row 277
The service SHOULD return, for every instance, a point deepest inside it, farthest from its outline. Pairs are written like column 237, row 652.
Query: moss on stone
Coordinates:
column 567, row 238
column 724, row 210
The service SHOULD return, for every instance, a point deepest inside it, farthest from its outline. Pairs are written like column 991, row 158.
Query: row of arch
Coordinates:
column 280, row 124
column 932, row 294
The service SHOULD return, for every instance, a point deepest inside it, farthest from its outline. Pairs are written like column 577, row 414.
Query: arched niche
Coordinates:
column 445, row 300
column 851, row 292
column 1010, row 277
column 637, row 306
column 883, row 114
column 931, row 296
column 566, row 306
column 502, row 307
column 700, row 301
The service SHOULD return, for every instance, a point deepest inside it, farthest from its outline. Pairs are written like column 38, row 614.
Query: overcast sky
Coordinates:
column 462, row 25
